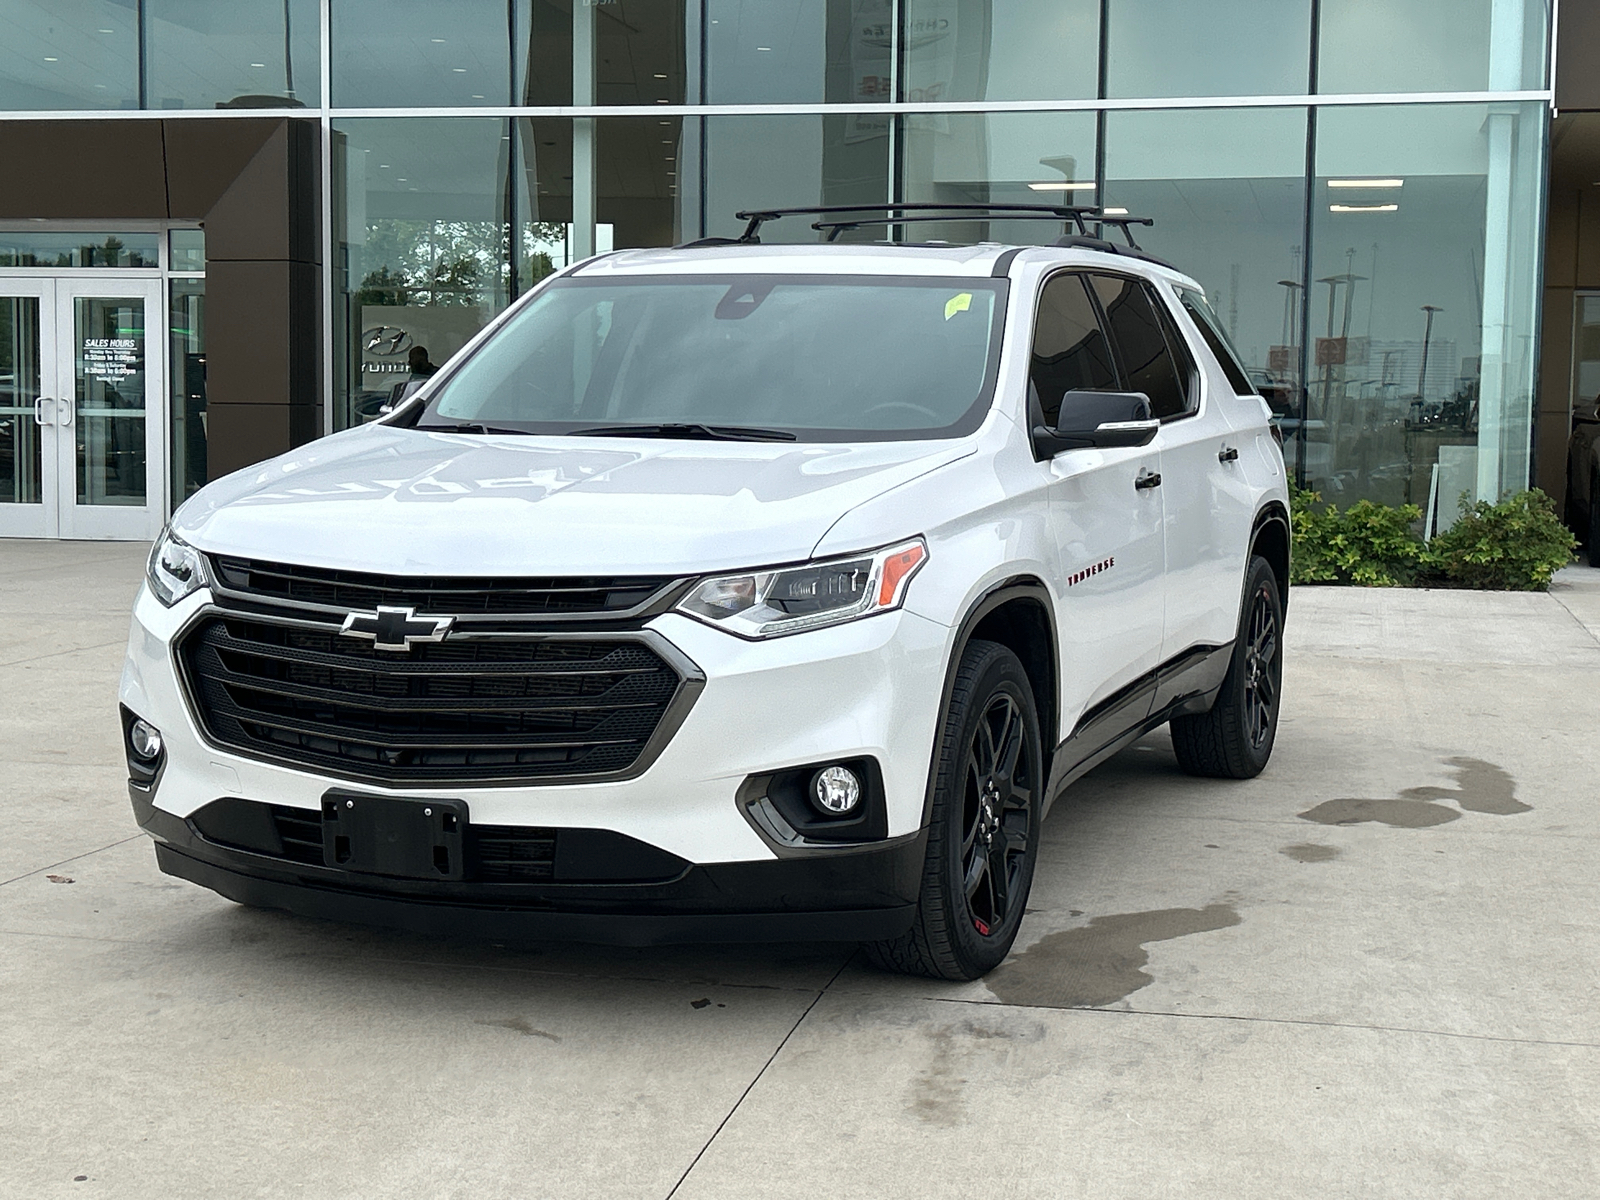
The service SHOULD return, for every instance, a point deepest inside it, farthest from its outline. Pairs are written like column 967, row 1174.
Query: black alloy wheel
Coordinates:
column 983, row 828
column 1263, row 669
column 1234, row 739
column 995, row 814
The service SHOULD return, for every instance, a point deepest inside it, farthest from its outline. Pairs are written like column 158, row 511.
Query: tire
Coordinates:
column 1234, row 740
column 983, row 831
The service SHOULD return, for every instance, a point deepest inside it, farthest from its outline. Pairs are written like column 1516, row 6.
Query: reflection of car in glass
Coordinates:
column 732, row 591
column 1583, row 478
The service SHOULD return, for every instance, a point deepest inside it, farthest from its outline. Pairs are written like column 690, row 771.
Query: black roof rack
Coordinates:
column 1078, row 216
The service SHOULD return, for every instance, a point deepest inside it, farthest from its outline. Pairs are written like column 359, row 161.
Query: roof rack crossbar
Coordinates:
column 1079, row 215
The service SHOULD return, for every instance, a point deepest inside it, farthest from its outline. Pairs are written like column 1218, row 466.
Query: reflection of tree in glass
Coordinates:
column 434, row 263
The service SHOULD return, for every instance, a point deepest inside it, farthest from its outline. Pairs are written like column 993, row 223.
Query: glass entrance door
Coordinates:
column 81, row 408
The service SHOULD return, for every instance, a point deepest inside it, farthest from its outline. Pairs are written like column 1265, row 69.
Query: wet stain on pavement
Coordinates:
column 520, row 1025
column 1481, row 787
column 1101, row 962
column 937, row 1092
column 1397, row 814
column 1310, row 852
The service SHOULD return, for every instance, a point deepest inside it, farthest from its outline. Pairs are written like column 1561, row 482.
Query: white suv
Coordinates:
column 726, row 592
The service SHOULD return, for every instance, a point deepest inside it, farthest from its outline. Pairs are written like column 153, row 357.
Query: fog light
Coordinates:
column 836, row 790
column 145, row 739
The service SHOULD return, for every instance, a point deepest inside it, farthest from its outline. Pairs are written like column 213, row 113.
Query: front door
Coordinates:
column 82, row 408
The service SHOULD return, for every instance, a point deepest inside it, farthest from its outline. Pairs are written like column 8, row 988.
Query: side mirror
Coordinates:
column 1097, row 420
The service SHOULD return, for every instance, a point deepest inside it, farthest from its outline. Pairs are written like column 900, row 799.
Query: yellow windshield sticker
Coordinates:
column 960, row 302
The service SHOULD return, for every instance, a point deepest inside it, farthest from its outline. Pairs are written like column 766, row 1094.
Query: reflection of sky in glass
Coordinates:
column 69, row 54
column 420, row 53
column 765, row 51
column 1226, row 190
column 1222, row 48
column 202, row 53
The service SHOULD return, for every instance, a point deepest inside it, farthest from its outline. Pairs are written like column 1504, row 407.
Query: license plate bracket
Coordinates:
column 398, row 837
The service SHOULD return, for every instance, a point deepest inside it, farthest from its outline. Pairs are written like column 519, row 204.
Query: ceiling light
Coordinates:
column 459, row 70
column 437, row 41
column 478, row 97
column 1350, row 208
column 663, row 101
column 106, row 31
column 1366, row 183
column 660, row 76
column 259, row 65
column 1115, row 212
column 49, row 59
column 764, row 48
column 1068, row 186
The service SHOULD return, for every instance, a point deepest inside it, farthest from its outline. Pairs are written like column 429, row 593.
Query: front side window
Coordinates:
column 1147, row 361
column 815, row 358
column 1069, row 348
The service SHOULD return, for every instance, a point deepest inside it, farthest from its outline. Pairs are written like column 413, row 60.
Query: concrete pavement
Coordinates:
column 1370, row 972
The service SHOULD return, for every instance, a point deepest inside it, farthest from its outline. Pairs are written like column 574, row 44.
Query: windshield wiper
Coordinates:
column 469, row 427
column 718, row 433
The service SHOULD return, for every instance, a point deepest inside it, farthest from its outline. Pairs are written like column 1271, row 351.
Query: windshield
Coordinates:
column 833, row 358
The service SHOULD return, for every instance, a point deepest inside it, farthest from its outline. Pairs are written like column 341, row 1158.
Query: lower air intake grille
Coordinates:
column 512, row 708
column 511, row 854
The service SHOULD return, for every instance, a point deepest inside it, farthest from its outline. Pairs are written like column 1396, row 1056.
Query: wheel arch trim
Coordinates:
column 1020, row 587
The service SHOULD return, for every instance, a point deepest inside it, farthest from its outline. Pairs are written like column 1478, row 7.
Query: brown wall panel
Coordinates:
column 261, row 333
column 82, row 170
column 1578, row 55
column 269, row 210
column 204, row 158
column 1555, row 388
column 240, row 435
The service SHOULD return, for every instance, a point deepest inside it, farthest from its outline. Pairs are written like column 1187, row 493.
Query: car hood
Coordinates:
column 400, row 501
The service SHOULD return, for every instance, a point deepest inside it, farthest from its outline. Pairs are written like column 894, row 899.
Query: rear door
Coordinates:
column 1206, row 518
column 1107, row 531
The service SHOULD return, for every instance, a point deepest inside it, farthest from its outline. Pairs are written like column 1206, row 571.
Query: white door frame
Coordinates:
column 37, row 520
column 59, row 417
column 113, row 521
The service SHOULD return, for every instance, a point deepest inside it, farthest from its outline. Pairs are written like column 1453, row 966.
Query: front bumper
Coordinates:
column 867, row 689
column 855, row 894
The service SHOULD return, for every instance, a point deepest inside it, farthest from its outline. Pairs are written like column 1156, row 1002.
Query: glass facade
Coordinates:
column 1357, row 184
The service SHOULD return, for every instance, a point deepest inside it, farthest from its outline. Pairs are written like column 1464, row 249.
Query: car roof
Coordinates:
column 980, row 261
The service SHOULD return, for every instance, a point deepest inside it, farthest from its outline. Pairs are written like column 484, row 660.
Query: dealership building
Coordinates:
column 227, row 229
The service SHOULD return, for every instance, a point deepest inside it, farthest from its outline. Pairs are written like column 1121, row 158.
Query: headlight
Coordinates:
column 762, row 604
column 176, row 569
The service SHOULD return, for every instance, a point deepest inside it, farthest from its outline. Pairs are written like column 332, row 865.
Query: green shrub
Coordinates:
column 1515, row 546
column 1368, row 544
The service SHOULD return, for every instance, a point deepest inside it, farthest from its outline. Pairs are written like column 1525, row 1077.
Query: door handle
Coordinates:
column 1147, row 479
column 1228, row 454
column 63, row 411
column 38, row 411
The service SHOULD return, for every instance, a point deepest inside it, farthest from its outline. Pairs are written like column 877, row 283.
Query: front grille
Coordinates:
column 523, row 707
column 571, row 597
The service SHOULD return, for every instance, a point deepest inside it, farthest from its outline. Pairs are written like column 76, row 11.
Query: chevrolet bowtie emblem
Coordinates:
column 396, row 628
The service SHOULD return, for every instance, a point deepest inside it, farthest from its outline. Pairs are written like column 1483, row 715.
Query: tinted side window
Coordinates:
column 1136, row 330
column 1211, row 330
column 1069, row 348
